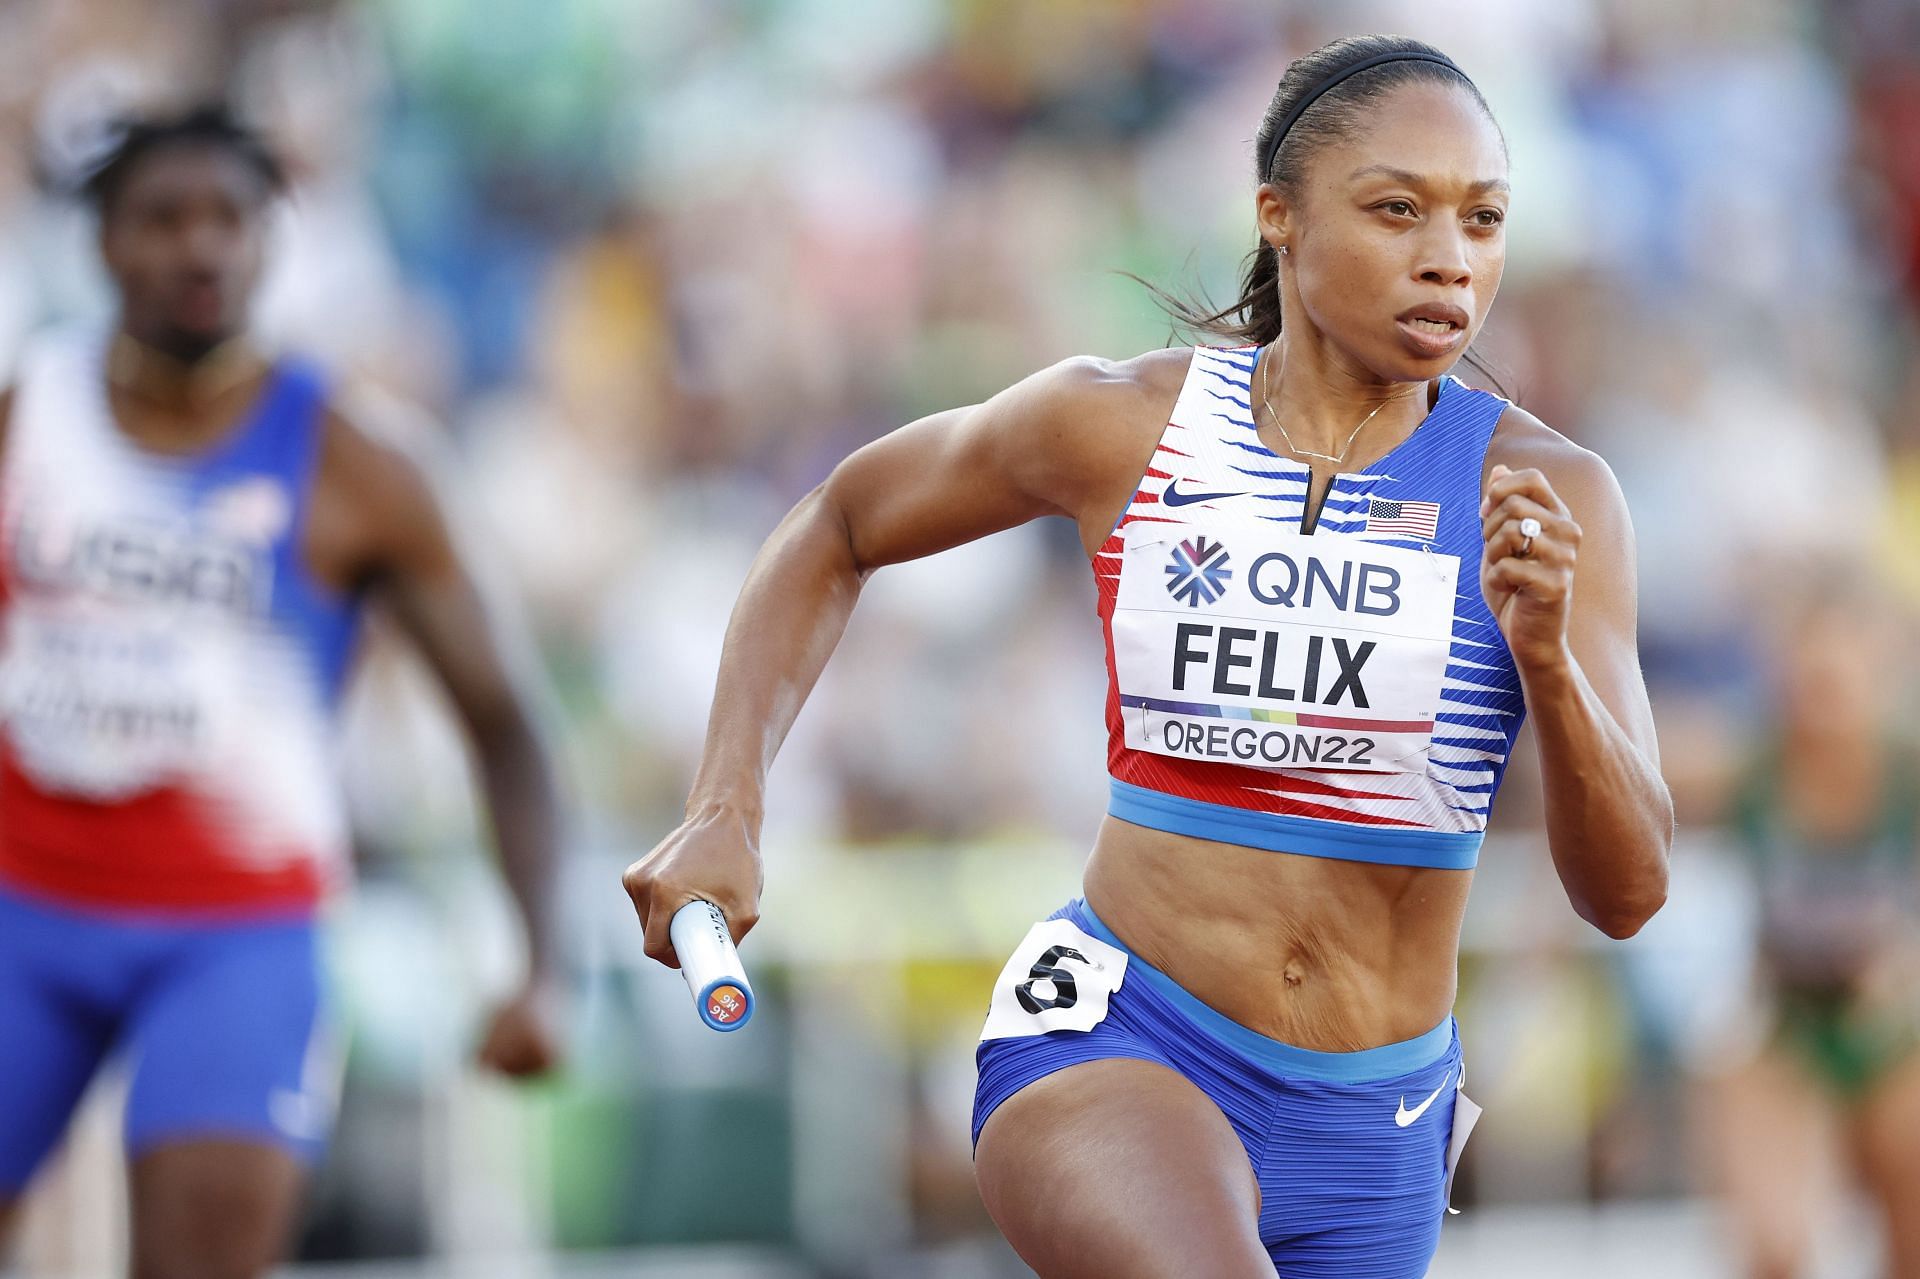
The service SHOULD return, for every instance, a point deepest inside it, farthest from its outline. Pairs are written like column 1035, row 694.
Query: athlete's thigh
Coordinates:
column 230, row 1102
column 231, row 1043
column 1887, row 1144
column 1121, row 1169
column 1768, row 1137
column 52, row 1040
column 212, row 1209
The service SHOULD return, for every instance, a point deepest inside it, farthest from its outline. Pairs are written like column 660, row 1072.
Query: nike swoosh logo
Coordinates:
column 1405, row 1116
column 297, row 1114
column 1173, row 497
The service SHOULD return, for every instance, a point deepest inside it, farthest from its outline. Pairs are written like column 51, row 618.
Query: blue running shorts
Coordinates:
column 1353, row 1151
column 220, row 1025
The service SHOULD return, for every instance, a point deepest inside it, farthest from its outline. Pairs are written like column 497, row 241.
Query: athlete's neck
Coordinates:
column 182, row 380
column 1320, row 397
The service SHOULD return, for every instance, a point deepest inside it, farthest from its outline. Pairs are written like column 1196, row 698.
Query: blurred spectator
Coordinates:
column 1828, row 817
column 659, row 265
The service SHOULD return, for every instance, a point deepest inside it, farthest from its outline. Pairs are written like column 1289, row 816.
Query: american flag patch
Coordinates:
column 1419, row 520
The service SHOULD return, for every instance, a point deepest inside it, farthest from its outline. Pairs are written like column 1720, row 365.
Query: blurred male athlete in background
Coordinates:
column 189, row 530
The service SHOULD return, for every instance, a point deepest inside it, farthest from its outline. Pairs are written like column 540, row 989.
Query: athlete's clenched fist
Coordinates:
column 712, row 856
column 1527, row 571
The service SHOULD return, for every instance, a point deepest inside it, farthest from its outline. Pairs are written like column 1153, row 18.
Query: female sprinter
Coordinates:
column 1332, row 580
column 1828, row 815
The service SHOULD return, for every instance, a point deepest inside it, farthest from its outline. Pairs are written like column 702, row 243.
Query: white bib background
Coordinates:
column 109, row 712
column 1301, row 596
column 1095, row 976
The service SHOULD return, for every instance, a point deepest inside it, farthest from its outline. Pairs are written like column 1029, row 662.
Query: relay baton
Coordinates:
column 711, row 965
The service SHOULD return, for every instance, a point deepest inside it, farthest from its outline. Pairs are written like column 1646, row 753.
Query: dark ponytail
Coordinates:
column 1335, row 96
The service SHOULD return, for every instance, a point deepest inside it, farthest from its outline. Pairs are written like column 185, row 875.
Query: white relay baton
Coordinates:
column 711, row 965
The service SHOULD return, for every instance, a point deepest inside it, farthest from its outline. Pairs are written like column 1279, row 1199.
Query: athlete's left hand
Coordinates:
column 523, row 1037
column 1531, row 596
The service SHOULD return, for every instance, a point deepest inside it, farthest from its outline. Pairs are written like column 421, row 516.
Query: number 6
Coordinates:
column 1047, row 968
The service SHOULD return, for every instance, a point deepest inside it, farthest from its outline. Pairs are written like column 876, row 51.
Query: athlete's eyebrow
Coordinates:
column 1416, row 180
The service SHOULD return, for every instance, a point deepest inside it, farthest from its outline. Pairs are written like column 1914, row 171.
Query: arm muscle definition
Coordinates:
column 1070, row 440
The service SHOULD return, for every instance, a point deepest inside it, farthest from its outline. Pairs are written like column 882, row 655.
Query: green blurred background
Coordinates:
column 652, row 267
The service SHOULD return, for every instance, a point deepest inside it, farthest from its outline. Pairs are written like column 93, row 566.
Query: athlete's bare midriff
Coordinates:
column 1331, row 955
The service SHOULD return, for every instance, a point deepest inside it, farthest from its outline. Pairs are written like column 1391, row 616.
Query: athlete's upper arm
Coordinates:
column 1057, row 443
column 1604, row 620
column 423, row 571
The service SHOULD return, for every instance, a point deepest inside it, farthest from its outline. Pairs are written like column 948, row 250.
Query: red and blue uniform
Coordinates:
column 169, row 818
column 1334, row 688
column 1375, row 672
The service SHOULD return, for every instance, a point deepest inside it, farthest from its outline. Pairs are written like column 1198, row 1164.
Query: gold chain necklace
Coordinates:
column 131, row 362
column 1266, row 368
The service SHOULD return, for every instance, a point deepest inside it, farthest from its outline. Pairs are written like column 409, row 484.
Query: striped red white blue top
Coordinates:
column 169, row 665
column 1345, row 694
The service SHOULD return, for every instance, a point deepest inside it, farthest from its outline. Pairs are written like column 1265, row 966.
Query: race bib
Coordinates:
column 1256, row 645
column 1465, row 1115
column 123, row 653
column 105, row 712
column 1058, row 979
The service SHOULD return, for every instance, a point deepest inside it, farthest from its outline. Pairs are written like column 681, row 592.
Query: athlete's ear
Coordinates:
column 1273, row 213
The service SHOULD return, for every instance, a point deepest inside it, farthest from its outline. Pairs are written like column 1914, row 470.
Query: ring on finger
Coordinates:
column 1529, row 529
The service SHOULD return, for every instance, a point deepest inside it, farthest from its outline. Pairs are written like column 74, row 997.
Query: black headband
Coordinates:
column 1300, row 108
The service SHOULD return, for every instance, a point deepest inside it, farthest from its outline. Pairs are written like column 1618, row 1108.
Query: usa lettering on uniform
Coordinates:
column 133, row 560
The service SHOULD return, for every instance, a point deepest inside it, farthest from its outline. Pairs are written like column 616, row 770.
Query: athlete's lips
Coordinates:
column 200, row 303
column 1439, row 312
column 1433, row 328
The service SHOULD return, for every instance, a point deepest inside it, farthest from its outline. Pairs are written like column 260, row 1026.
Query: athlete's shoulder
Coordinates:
column 379, row 462
column 1086, row 405
column 370, row 432
column 1155, row 374
column 1100, row 387
column 65, row 355
column 1079, row 432
column 10, row 387
column 1579, row 475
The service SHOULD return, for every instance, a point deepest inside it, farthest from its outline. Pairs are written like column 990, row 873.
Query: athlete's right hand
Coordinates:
column 712, row 856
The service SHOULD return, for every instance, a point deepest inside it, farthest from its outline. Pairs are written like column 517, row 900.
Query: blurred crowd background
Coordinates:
column 651, row 267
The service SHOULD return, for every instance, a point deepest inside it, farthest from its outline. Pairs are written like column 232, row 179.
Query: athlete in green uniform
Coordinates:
column 1827, row 815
